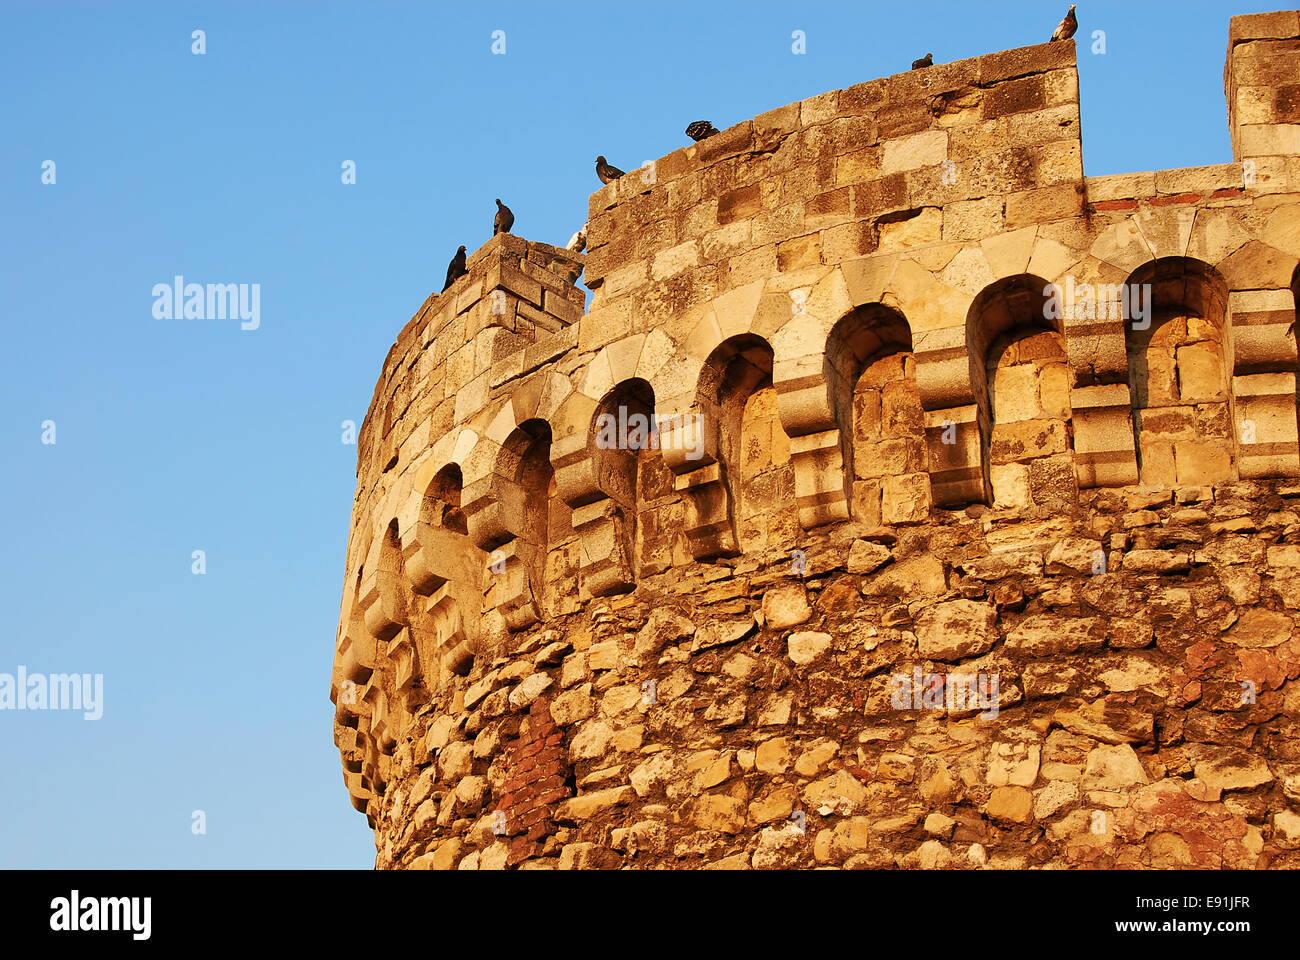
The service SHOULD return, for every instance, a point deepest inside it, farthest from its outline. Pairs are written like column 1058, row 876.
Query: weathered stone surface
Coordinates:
column 717, row 633
column 807, row 646
column 840, row 793
column 1041, row 636
column 528, row 691
column 786, row 605
column 774, row 756
column 1113, row 768
column 955, row 630
column 1011, row 804
column 591, row 804
column 1260, row 628
column 916, row 576
column 1227, row 769
column 664, row 626
column 866, row 557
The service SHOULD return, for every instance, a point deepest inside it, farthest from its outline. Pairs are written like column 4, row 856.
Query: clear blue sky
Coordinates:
column 182, row 435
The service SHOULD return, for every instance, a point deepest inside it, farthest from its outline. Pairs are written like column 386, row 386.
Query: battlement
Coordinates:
column 860, row 323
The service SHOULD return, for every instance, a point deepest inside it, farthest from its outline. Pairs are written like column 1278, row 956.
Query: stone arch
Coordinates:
column 621, row 436
column 870, row 374
column 445, row 574
column 517, row 531
column 747, row 498
column 383, row 602
column 1295, row 337
column 441, row 505
column 1180, row 364
column 1021, row 379
column 354, row 663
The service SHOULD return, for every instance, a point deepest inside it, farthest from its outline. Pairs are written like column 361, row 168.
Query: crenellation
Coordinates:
column 873, row 386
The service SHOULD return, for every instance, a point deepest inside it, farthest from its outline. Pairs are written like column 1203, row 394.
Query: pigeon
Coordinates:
column 578, row 242
column 926, row 61
column 700, row 129
column 456, row 268
column 607, row 173
column 1065, row 29
column 505, row 219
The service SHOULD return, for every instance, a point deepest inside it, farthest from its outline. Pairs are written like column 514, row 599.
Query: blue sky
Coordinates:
column 181, row 435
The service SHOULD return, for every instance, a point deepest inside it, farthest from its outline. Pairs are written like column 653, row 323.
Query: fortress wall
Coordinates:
column 928, row 398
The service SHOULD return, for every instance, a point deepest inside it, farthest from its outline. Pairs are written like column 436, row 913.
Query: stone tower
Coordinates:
column 905, row 497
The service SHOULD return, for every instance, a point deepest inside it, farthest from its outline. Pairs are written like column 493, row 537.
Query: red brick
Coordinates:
column 538, row 830
column 519, row 813
column 1177, row 198
column 534, row 816
column 1227, row 192
column 554, row 796
column 1115, row 205
column 520, row 850
column 525, row 766
column 555, row 739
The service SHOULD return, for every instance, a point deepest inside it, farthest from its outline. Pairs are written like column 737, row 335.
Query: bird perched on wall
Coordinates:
column 578, row 242
column 926, row 61
column 504, row 220
column 606, row 172
column 1065, row 29
column 700, row 129
column 456, row 268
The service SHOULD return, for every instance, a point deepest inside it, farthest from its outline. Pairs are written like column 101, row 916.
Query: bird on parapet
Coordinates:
column 926, row 61
column 606, row 172
column 700, row 129
column 1065, row 29
column 504, row 220
column 456, row 268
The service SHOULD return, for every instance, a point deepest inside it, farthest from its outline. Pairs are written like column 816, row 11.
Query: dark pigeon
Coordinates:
column 606, row 172
column 504, row 220
column 1065, row 29
column 926, row 61
column 456, row 268
column 700, row 129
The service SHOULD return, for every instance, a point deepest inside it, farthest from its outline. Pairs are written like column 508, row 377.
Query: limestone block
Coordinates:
column 1203, row 462
column 1045, row 635
column 786, row 605
column 955, row 630
column 906, row 498
column 953, row 447
column 925, row 227
column 1010, row 483
column 1010, row 804
column 916, row 576
column 1266, row 425
column 919, row 150
column 1026, row 440
column 805, row 647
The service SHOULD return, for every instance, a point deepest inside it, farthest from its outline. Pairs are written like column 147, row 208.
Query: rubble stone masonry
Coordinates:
column 929, row 563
